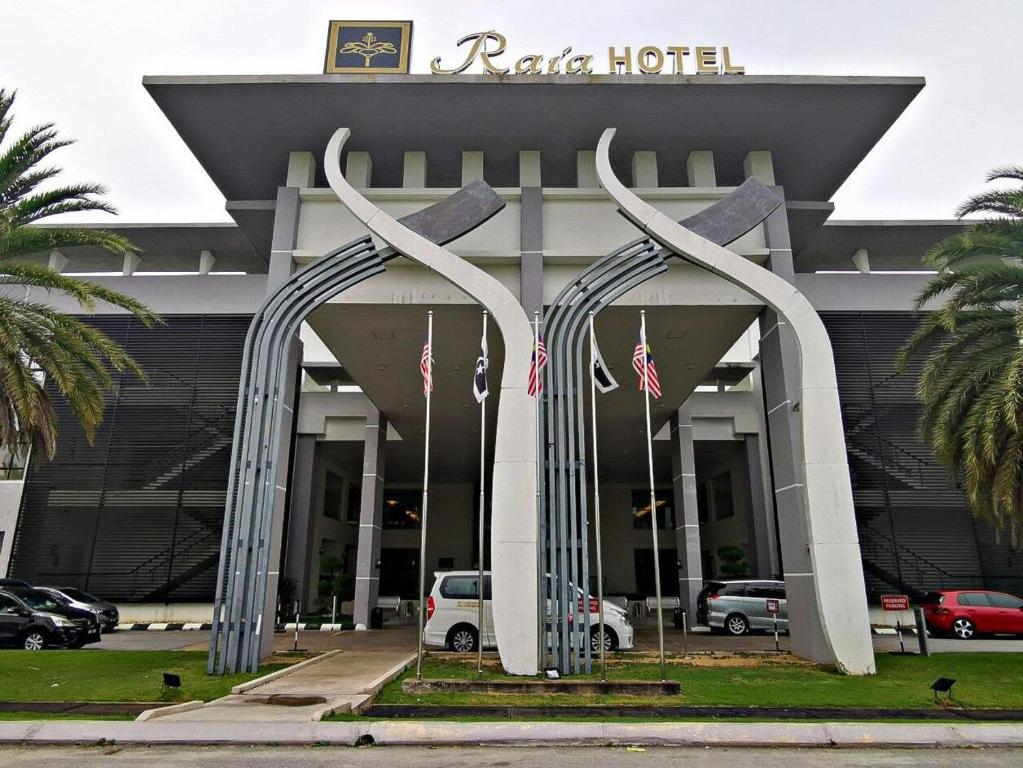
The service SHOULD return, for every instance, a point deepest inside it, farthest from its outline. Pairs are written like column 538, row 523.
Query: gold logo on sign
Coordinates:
column 368, row 47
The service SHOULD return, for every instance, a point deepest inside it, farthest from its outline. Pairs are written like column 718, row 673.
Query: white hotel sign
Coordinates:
column 488, row 48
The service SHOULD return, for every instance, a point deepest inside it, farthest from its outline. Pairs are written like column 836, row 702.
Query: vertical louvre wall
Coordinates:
column 915, row 528
column 137, row 515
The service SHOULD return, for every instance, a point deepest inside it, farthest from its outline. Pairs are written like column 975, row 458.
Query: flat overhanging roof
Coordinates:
column 166, row 247
column 241, row 128
column 894, row 245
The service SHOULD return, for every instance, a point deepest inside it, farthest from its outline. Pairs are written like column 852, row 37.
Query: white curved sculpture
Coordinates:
column 513, row 505
column 827, row 602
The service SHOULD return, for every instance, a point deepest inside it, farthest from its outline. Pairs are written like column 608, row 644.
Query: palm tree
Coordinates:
column 971, row 382
column 37, row 344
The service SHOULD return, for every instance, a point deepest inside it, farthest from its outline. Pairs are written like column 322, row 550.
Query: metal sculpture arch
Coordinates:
column 565, row 519
column 827, row 583
column 259, row 465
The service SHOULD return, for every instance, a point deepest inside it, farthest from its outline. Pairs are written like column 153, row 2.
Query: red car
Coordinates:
column 969, row 612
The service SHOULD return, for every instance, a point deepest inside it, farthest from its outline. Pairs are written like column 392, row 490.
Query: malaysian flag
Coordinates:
column 638, row 359
column 426, row 368
column 536, row 368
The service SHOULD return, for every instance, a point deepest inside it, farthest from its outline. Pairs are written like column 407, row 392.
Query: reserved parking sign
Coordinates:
column 894, row 603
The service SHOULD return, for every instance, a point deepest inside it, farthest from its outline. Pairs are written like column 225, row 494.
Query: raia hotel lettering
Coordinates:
column 488, row 48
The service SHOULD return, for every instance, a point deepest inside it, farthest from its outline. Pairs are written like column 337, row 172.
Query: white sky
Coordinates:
column 80, row 63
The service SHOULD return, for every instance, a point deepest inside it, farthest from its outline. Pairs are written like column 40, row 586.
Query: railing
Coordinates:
column 927, row 572
column 145, row 570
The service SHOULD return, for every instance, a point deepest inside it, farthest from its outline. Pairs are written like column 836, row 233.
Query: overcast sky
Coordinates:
column 80, row 64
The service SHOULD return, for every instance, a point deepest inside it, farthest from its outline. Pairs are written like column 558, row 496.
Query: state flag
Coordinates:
column 601, row 374
column 479, row 379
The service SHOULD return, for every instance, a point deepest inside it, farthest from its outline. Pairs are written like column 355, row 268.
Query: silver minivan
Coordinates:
column 741, row 606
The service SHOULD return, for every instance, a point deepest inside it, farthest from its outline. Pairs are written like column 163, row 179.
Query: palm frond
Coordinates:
column 968, row 354
column 25, row 240
column 42, row 350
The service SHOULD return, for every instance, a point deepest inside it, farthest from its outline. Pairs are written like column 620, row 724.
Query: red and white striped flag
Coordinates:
column 638, row 358
column 536, row 370
column 426, row 368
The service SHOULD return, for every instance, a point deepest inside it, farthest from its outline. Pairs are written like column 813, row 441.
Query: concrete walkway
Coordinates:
column 341, row 680
column 822, row 734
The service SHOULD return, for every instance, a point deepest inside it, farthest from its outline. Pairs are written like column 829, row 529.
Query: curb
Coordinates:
column 374, row 687
column 194, row 626
column 173, row 709
column 662, row 713
column 845, row 735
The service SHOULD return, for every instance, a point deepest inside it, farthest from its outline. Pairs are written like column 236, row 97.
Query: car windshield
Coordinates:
column 79, row 595
column 36, row 599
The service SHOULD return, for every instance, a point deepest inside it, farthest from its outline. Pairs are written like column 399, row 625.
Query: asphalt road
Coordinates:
column 489, row 757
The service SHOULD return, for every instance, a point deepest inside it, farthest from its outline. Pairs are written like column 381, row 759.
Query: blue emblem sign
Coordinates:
column 368, row 47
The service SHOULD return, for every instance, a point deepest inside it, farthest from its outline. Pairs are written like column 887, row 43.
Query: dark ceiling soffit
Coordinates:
column 228, row 120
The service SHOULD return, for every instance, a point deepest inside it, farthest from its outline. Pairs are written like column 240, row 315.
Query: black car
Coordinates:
column 73, row 597
column 33, row 620
column 4, row 583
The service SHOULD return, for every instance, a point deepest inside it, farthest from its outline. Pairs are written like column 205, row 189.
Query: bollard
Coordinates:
column 777, row 645
column 898, row 630
column 921, row 632
column 296, row 626
column 333, row 611
column 685, row 635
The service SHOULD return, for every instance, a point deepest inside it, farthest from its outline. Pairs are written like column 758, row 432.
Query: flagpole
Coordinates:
column 426, row 491
column 541, row 571
column 596, row 501
column 483, row 484
column 653, row 495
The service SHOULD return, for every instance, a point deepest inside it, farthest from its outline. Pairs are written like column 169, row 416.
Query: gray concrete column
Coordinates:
column 779, row 360
column 687, row 516
column 280, row 469
column 285, row 235
column 301, row 516
column 371, row 513
column 760, row 529
column 531, row 250
column 281, row 266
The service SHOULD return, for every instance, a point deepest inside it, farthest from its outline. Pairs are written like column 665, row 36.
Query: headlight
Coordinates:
column 60, row 621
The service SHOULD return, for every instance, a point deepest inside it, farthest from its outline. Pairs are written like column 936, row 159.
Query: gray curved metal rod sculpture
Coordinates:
column 566, row 496
column 249, row 515
column 513, row 530
column 620, row 271
column 830, row 582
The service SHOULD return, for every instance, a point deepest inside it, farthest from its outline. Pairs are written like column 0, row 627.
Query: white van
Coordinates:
column 452, row 615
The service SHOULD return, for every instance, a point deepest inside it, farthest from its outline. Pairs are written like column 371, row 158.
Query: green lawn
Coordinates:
column 111, row 676
column 985, row 680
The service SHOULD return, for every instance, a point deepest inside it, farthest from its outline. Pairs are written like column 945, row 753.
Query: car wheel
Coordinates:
column 34, row 640
column 610, row 639
column 463, row 639
column 964, row 629
column 736, row 624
